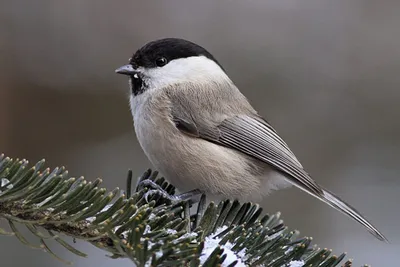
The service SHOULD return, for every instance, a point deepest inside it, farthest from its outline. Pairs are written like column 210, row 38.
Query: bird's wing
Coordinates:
column 253, row 136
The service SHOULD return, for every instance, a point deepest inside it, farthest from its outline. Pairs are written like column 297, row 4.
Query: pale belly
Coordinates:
column 193, row 163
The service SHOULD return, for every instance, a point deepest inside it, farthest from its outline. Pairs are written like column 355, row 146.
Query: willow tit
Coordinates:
column 201, row 132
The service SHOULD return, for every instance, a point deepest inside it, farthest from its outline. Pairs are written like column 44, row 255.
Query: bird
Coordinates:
column 202, row 133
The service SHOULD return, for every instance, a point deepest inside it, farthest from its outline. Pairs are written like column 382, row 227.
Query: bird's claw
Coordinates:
column 149, row 183
column 192, row 196
column 148, row 196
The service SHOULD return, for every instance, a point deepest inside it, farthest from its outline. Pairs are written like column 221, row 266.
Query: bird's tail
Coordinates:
column 335, row 202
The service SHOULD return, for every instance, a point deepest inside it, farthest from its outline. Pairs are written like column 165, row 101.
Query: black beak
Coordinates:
column 126, row 70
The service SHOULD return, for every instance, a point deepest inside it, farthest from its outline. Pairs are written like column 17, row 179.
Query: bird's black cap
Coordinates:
column 169, row 48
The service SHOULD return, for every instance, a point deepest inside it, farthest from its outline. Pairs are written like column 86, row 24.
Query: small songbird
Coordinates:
column 201, row 132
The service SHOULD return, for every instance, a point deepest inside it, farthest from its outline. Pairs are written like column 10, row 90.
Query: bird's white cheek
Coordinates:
column 159, row 78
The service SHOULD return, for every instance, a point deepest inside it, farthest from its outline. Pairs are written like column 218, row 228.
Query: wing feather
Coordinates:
column 253, row 136
column 256, row 139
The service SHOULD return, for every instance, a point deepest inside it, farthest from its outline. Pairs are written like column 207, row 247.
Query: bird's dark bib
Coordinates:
column 137, row 85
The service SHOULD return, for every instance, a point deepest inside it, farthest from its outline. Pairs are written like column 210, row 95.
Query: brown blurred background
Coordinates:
column 324, row 73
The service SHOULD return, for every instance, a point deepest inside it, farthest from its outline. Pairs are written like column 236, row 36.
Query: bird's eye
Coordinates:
column 161, row 61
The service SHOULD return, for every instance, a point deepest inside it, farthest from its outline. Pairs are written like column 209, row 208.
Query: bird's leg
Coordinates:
column 148, row 183
column 192, row 196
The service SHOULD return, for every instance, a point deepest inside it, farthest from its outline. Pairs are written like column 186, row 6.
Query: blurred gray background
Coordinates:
column 324, row 73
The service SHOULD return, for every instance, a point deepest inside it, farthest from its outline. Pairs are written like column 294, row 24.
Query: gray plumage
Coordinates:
column 198, row 129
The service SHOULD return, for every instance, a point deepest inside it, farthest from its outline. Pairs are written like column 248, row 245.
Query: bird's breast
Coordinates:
column 194, row 163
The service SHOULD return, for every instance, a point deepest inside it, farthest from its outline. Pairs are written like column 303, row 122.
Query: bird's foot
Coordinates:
column 157, row 192
column 150, row 184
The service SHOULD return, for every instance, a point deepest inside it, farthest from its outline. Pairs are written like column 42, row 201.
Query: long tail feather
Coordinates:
column 337, row 203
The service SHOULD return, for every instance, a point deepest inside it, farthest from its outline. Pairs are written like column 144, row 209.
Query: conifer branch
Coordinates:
column 150, row 232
